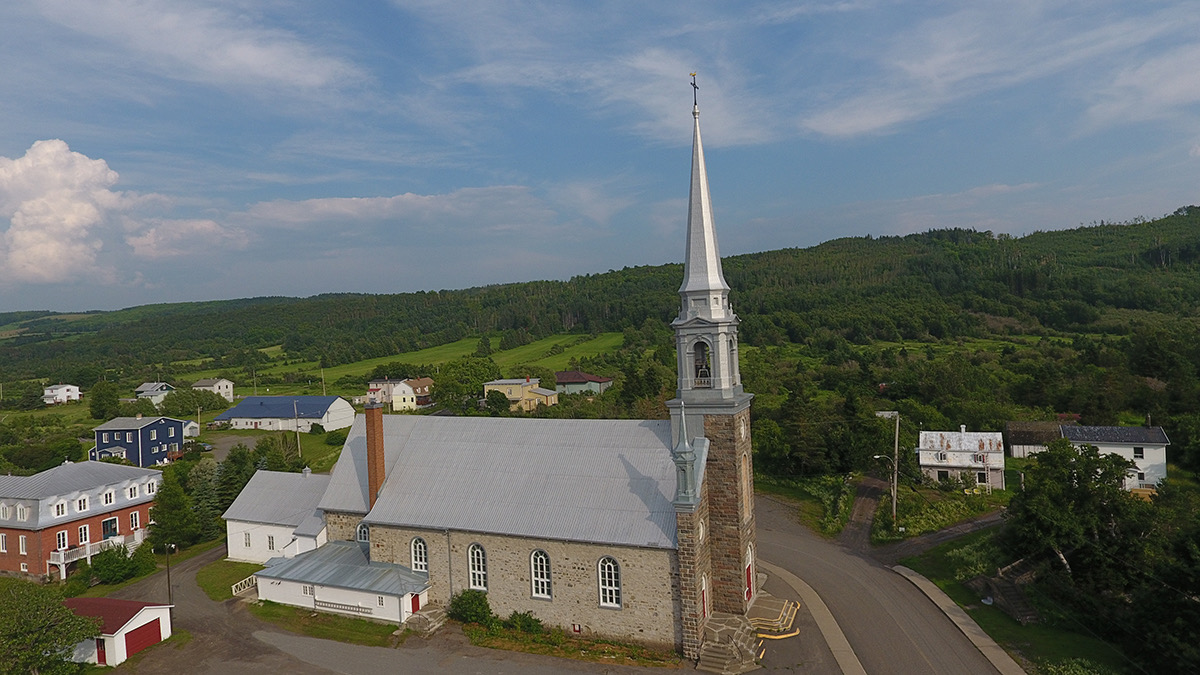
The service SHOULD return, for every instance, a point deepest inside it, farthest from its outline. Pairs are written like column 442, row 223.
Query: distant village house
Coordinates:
column 155, row 392
column 975, row 457
column 289, row 413
column 218, row 386
column 57, row 394
column 523, row 394
column 144, row 441
column 578, row 382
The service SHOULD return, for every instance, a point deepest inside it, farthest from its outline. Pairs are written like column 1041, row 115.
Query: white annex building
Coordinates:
column 1146, row 447
column 276, row 515
column 976, row 457
column 289, row 413
column 635, row 530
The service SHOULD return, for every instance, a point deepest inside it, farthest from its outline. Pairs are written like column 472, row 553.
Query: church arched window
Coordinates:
column 539, row 574
column 477, row 565
column 702, row 364
column 420, row 555
column 363, row 533
column 609, row 573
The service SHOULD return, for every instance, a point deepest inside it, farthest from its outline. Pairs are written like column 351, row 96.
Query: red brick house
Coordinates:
column 52, row 519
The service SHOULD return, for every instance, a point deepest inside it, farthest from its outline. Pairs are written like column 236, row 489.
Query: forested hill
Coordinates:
column 1107, row 278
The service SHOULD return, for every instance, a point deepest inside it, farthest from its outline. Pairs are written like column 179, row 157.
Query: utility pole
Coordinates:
column 895, row 414
column 296, row 413
column 323, row 381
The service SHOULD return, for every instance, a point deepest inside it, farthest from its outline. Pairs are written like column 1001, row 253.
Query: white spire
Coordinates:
column 704, row 292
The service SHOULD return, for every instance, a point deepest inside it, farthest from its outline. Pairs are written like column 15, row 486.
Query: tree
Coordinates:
column 1074, row 508
column 497, row 403
column 202, row 484
column 460, row 382
column 38, row 632
column 103, row 401
column 484, row 348
column 172, row 514
column 235, row 472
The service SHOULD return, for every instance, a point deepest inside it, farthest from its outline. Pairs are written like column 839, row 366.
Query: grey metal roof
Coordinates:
column 146, row 387
column 208, row 382
column 961, row 441
column 603, row 481
column 1130, row 435
column 343, row 564
column 278, row 498
column 69, row 477
column 126, row 423
column 543, row 391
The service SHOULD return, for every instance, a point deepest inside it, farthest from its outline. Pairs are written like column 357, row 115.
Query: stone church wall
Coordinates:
column 650, row 611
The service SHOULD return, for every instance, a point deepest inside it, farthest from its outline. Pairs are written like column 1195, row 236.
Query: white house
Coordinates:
column 975, row 456
column 276, row 515
column 1144, row 446
column 155, row 391
column 286, row 413
column 60, row 393
column 339, row 578
column 219, row 386
column 127, row 627
column 411, row 394
column 191, row 428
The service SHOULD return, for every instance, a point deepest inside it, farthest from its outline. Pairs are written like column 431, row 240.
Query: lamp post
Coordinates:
column 170, row 598
column 894, row 414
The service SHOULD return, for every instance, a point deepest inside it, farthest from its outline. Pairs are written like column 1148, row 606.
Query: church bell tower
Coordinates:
column 710, row 418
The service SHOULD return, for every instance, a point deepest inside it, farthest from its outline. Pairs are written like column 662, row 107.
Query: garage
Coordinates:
column 141, row 637
column 126, row 628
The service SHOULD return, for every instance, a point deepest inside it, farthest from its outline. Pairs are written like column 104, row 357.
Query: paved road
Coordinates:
column 892, row 626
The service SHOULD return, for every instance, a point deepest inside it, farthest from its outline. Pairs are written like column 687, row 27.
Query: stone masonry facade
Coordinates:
column 649, row 612
column 695, row 572
column 730, row 470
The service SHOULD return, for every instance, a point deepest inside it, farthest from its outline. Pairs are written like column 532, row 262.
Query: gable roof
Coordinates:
column 343, row 564
column 129, row 423
column 514, row 381
column 209, row 382
column 578, row 377
column 69, row 477
column 1129, row 435
column 1032, row 433
column 112, row 612
column 601, row 481
column 146, row 387
column 962, row 441
column 278, row 498
column 279, row 407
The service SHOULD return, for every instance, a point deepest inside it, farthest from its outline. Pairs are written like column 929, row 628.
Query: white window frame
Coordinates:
column 60, row 509
column 246, row 539
column 85, row 534
column 22, row 542
column 477, row 567
column 128, row 436
column 419, row 555
column 171, row 432
column 379, row 600
column 308, row 590
column 22, row 513
column 3, row 543
column 540, row 582
column 154, row 434
column 109, row 498
column 270, row 542
column 608, row 578
column 135, row 520
column 132, row 492
column 1139, row 453
column 81, row 504
column 3, row 511
column 24, row 567
column 151, row 487
column 104, row 437
column 362, row 533
column 62, row 540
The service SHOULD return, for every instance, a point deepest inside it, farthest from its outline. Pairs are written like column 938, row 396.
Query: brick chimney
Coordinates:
column 375, row 470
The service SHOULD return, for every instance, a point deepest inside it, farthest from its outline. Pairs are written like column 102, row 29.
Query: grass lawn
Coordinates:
column 824, row 503
column 326, row 626
column 555, row 642
column 921, row 510
column 1040, row 643
column 103, row 590
column 216, row 579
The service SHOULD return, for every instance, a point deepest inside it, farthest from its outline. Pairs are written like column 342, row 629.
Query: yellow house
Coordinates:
column 523, row 394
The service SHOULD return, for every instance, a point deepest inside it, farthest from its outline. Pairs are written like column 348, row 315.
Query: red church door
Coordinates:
column 416, row 603
column 101, row 657
column 749, row 581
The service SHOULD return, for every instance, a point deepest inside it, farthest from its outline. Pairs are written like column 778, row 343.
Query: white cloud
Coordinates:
column 1158, row 87
column 203, row 42
column 164, row 238
column 55, row 201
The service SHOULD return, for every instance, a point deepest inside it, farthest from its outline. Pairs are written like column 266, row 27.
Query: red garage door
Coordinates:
column 141, row 637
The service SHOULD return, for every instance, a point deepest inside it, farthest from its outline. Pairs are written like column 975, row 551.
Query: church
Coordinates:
column 634, row 530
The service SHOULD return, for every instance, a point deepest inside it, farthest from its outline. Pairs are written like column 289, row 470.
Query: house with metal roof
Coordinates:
column 144, row 441
column 276, row 515
column 126, row 628
column 523, row 393
column 579, row 382
column 155, row 392
column 1145, row 446
column 217, row 385
column 976, row 457
column 56, row 394
column 636, row 530
column 289, row 413
column 1022, row 439
column 52, row 519
column 340, row 578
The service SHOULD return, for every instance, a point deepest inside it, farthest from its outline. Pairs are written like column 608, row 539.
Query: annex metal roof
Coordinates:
column 1127, row 435
column 279, row 498
column 279, row 407
column 130, row 423
column 602, row 481
column 69, row 477
column 578, row 377
column 343, row 564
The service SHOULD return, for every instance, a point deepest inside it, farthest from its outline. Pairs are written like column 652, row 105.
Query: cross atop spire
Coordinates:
column 695, row 91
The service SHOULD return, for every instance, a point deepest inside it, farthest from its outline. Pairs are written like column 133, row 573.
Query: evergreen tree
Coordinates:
column 203, row 484
column 172, row 514
column 103, row 401
column 237, row 470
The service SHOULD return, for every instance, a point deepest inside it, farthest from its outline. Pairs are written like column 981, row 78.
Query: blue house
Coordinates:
column 145, row 441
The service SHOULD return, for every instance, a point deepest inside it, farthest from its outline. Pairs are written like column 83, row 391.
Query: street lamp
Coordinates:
column 170, row 600
column 894, row 414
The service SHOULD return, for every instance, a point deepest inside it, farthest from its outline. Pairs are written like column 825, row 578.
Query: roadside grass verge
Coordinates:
column 326, row 626
column 556, row 642
column 823, row 502
column 217, row 578
column 102, row 590
column 921, row 510
column 1044, row 644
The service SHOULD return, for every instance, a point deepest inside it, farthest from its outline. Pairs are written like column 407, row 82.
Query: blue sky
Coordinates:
column 172, row 150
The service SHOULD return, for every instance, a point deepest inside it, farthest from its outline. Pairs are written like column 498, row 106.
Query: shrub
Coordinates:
column 80, row 581
column 471, row 606
column 112, row 565
column 335, row 438
column 316, row 429
column 524, row 622
column 143, row 561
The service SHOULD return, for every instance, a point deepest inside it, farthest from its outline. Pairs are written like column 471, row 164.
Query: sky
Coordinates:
column 173, row 150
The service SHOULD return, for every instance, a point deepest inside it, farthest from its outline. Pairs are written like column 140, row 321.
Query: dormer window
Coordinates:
column 151, row 487
column 81, row 504
column 133, row 492
column 60, row 509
